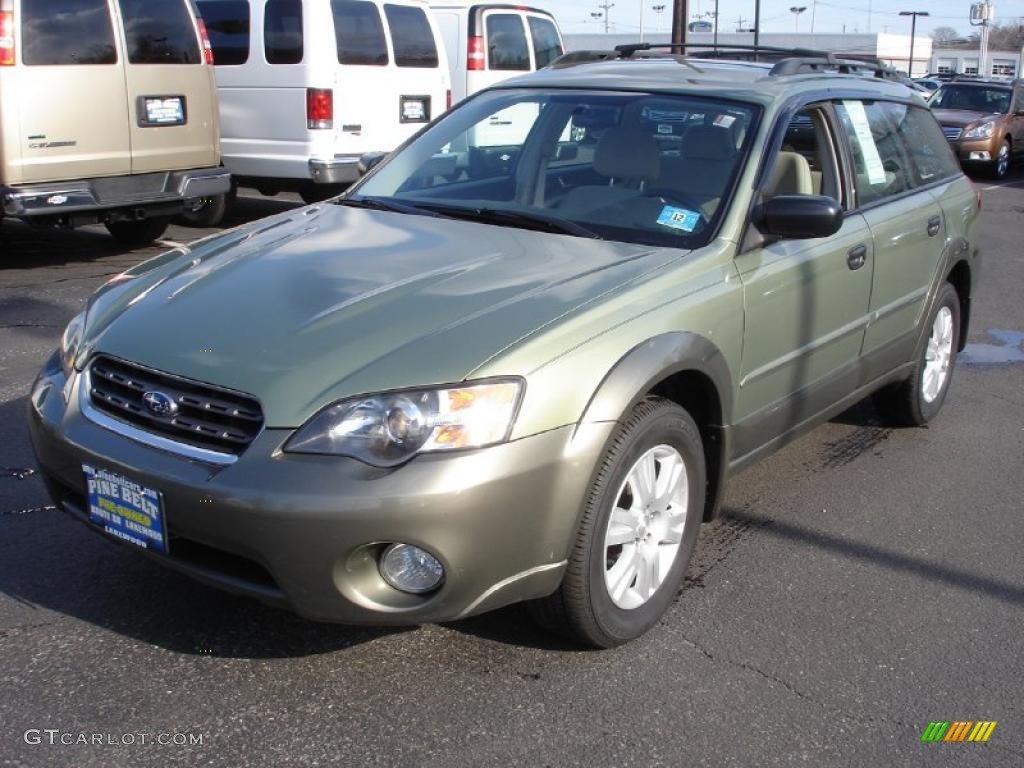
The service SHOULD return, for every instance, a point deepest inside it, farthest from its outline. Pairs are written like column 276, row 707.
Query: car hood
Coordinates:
column 961, row 118
column 321, row 303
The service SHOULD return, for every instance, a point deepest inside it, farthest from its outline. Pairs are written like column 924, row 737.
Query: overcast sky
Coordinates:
column 830, row 15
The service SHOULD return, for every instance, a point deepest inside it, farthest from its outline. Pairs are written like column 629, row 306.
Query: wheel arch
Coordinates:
column 959, row 276
column 683, row 367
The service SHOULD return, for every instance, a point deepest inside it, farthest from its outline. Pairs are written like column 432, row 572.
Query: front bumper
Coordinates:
column 113, row 192
column 304, row 532
column 974, row 151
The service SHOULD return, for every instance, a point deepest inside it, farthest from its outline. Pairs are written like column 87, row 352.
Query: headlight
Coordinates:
column 983, row 131
column 70, row 342
column 388, row 429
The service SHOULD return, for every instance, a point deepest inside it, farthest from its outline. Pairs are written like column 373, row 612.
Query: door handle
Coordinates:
column 856, row 257
column 934, row 225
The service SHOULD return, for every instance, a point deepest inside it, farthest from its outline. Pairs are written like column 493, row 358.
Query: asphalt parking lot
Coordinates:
column 861, row 583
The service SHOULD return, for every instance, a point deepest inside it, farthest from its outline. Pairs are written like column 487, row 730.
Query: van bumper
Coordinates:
column 340, row 169
column 112, row 192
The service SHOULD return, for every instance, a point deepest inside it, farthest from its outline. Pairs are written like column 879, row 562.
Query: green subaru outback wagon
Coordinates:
column 519, row 359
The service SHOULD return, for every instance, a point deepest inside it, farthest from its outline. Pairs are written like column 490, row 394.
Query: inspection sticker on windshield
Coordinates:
column 679, row 218
column 125, row 509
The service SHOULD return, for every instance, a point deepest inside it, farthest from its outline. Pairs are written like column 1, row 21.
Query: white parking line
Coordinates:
column 1001, row 186
column 172, row 244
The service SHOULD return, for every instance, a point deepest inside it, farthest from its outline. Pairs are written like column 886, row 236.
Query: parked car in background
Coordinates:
column 307, row 88
column 983, row 121
column 488, row 43
column 108, row 114
column 441, row 393
column 927, row 84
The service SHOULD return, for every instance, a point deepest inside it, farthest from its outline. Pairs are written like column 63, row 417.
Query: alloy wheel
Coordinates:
column 938, row 355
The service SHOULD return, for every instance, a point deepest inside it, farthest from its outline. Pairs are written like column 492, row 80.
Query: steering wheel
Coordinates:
column 679, row 199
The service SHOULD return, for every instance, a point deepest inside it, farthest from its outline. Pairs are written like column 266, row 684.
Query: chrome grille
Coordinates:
column 952, row 132
column 206, row 416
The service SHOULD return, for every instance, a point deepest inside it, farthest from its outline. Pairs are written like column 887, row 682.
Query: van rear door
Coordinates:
column 392, row 76
column 171, row 93
column 72, row 103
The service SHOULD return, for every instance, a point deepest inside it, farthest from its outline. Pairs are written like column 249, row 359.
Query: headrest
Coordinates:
column 790, row 176
column 624, row 153
column 708, row 142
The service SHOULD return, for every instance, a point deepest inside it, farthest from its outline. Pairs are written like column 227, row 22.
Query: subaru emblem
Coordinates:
column 159, row 403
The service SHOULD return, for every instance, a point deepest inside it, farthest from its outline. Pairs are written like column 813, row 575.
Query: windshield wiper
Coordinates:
column 513, row 218
column 383, row 204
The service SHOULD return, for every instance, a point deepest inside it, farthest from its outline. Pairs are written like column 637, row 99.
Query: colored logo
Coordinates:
column 159, row 403
column 958, row 730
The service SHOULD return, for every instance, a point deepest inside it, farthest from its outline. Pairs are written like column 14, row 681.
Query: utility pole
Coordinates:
column 680, row 13
column 913, row 34
column 982, row 15
column 757, row 26
column 603, row 13
column 716, row 29
column 642, row 20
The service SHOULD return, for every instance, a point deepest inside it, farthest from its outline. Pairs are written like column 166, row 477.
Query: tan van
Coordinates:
column 108, row 113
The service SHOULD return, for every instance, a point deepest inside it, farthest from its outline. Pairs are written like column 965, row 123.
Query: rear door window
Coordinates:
column 159, row 32
column 227, row 24
column 66, row 32
column 506, row 42
column 359, row 33
column 546, row 45
column 282, row 32
column 411, row 36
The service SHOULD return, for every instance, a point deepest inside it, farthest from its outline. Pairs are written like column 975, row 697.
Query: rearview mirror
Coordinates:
column 800, row 217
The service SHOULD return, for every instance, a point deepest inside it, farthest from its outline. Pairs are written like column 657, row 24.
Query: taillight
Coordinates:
column 319, row 108
column 205, row 39
column 475, row 55
column 6, row 34
column 448, row 99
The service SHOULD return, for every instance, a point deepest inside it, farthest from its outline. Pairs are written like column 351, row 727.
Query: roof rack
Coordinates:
column 788, row 61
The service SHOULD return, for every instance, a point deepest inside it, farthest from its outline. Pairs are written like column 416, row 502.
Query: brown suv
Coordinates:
column 108, row 113
column 983, row 120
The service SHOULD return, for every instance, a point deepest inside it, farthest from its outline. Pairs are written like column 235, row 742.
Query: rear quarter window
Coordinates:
column 546, row 45
column 227, row 24
column 506, row 43
column 66, row 32
column 159, row 32
column 282, row 32
column 359, row 33
column 411, row 36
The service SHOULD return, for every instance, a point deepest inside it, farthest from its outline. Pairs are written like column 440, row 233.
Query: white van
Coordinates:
column 308, row 88
column 488, row 43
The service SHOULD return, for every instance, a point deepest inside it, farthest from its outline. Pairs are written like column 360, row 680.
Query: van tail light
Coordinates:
column 319, row 108
column 448, row 99
column 475, row 54
column 205, row 40
column 6, row 34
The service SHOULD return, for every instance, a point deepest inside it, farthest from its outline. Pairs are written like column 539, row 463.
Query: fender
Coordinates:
column 646, row 365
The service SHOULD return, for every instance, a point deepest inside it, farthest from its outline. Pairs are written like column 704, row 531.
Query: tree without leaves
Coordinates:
column 945, row 35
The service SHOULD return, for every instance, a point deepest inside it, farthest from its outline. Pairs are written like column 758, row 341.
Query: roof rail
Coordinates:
column 627, row 50
column 803, row 65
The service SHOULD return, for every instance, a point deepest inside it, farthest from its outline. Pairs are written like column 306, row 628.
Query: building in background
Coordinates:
column 894, row 50
column 961, row 61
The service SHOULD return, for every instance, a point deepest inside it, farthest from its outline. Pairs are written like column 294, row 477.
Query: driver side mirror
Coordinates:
column 800, row 217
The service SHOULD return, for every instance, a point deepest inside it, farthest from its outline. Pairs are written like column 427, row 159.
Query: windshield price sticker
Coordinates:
column 862, row 131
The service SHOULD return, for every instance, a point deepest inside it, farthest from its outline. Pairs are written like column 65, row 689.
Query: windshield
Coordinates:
column 972, row 98
column 633, row 167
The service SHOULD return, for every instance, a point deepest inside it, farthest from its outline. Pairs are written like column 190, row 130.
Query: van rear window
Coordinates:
column 227, row 24
column 411, row 36
column 159, row 32
column 546, row 45
column 506, row 42
column 282, row 32
column 66, row 32
column 359, row 33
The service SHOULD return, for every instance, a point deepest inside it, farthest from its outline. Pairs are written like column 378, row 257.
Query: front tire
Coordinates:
column 639, row 528
column 1004, row 159
column 137, row 234
column 917, row 400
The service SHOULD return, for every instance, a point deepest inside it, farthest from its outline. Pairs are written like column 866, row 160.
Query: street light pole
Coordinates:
column 796, row 10
column 680, row 13
column 757, row 26
column 913, row 35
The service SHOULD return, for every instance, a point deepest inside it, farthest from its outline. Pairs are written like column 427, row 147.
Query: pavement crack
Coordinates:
column 18, row 473
column 28, row 510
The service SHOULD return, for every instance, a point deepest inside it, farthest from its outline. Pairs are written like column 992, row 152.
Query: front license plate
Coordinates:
column 164, row 110
column 126, row 509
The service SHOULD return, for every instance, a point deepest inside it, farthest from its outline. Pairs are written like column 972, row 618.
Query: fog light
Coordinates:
column 984, row 156
column 410, row 569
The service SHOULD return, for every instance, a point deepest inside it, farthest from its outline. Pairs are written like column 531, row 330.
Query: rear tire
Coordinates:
column 137, row 234
column 622, row 574
column 206, row 212
column 917, row 400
